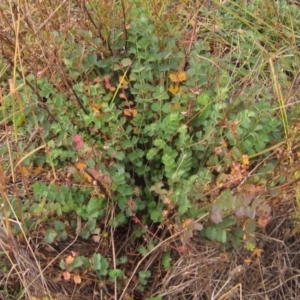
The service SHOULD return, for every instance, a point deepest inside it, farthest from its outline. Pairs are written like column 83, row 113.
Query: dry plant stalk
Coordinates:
column 29, row 272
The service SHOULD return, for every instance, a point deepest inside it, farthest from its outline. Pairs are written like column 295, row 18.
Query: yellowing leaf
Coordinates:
column 247, row 261
column 175, row 106
column 130, row 112
column 236, row 171
column 258, row 252
column 96, row 107
column 221, row 179
column 137, row 191
column 174, row 88
column 123, row 80
column 81, row 165
column 136, row 130
column 77, row 279
column 164, row 214
column 177, row 76
column 69, row 259
column 245, row 160
column 187, row 223
column 25, row 171
column 105, row 234
column 97, row 79
column 38, row 170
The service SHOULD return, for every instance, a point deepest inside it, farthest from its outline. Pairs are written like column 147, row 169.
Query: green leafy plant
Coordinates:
column 159, row 122
column 75, row 264
column 166, row 136
column 100, row 265
column 143, row 276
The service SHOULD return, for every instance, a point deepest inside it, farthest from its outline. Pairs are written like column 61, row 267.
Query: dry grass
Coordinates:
column 206, row 272
column 29, row 45
column 212, row 274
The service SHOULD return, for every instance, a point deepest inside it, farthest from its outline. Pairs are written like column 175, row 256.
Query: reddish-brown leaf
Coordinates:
column 77, row 140
column 66, row 275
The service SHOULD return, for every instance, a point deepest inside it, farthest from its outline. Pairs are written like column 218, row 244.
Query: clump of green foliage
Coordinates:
column 166, row 123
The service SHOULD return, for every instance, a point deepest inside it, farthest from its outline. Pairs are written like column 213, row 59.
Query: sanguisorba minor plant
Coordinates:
column 163, row 122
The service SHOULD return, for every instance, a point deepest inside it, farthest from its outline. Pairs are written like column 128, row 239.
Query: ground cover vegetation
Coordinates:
column 149, row 149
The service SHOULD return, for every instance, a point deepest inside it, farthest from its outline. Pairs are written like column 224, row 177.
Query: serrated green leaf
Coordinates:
column 151, row 153
column 159, row 143
column 143, row 276
column 59, row 225
column 123, row 259
column 76, row 263
column 126, row 62
column 91, row 224
column 50, row 236
column 39, row 208
column 155, row 215
column 100, row 265
column 227, row 222
column 203, row 99
column 115, row 273
column 221, row 236
column 85, row 233
column 238, row 233
column 62, row 264
column 63, row 236
column 250, row 226
column 142, row 250
column 97, row 261
column 156, row 106
column 211, row 232
column 166, row 260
